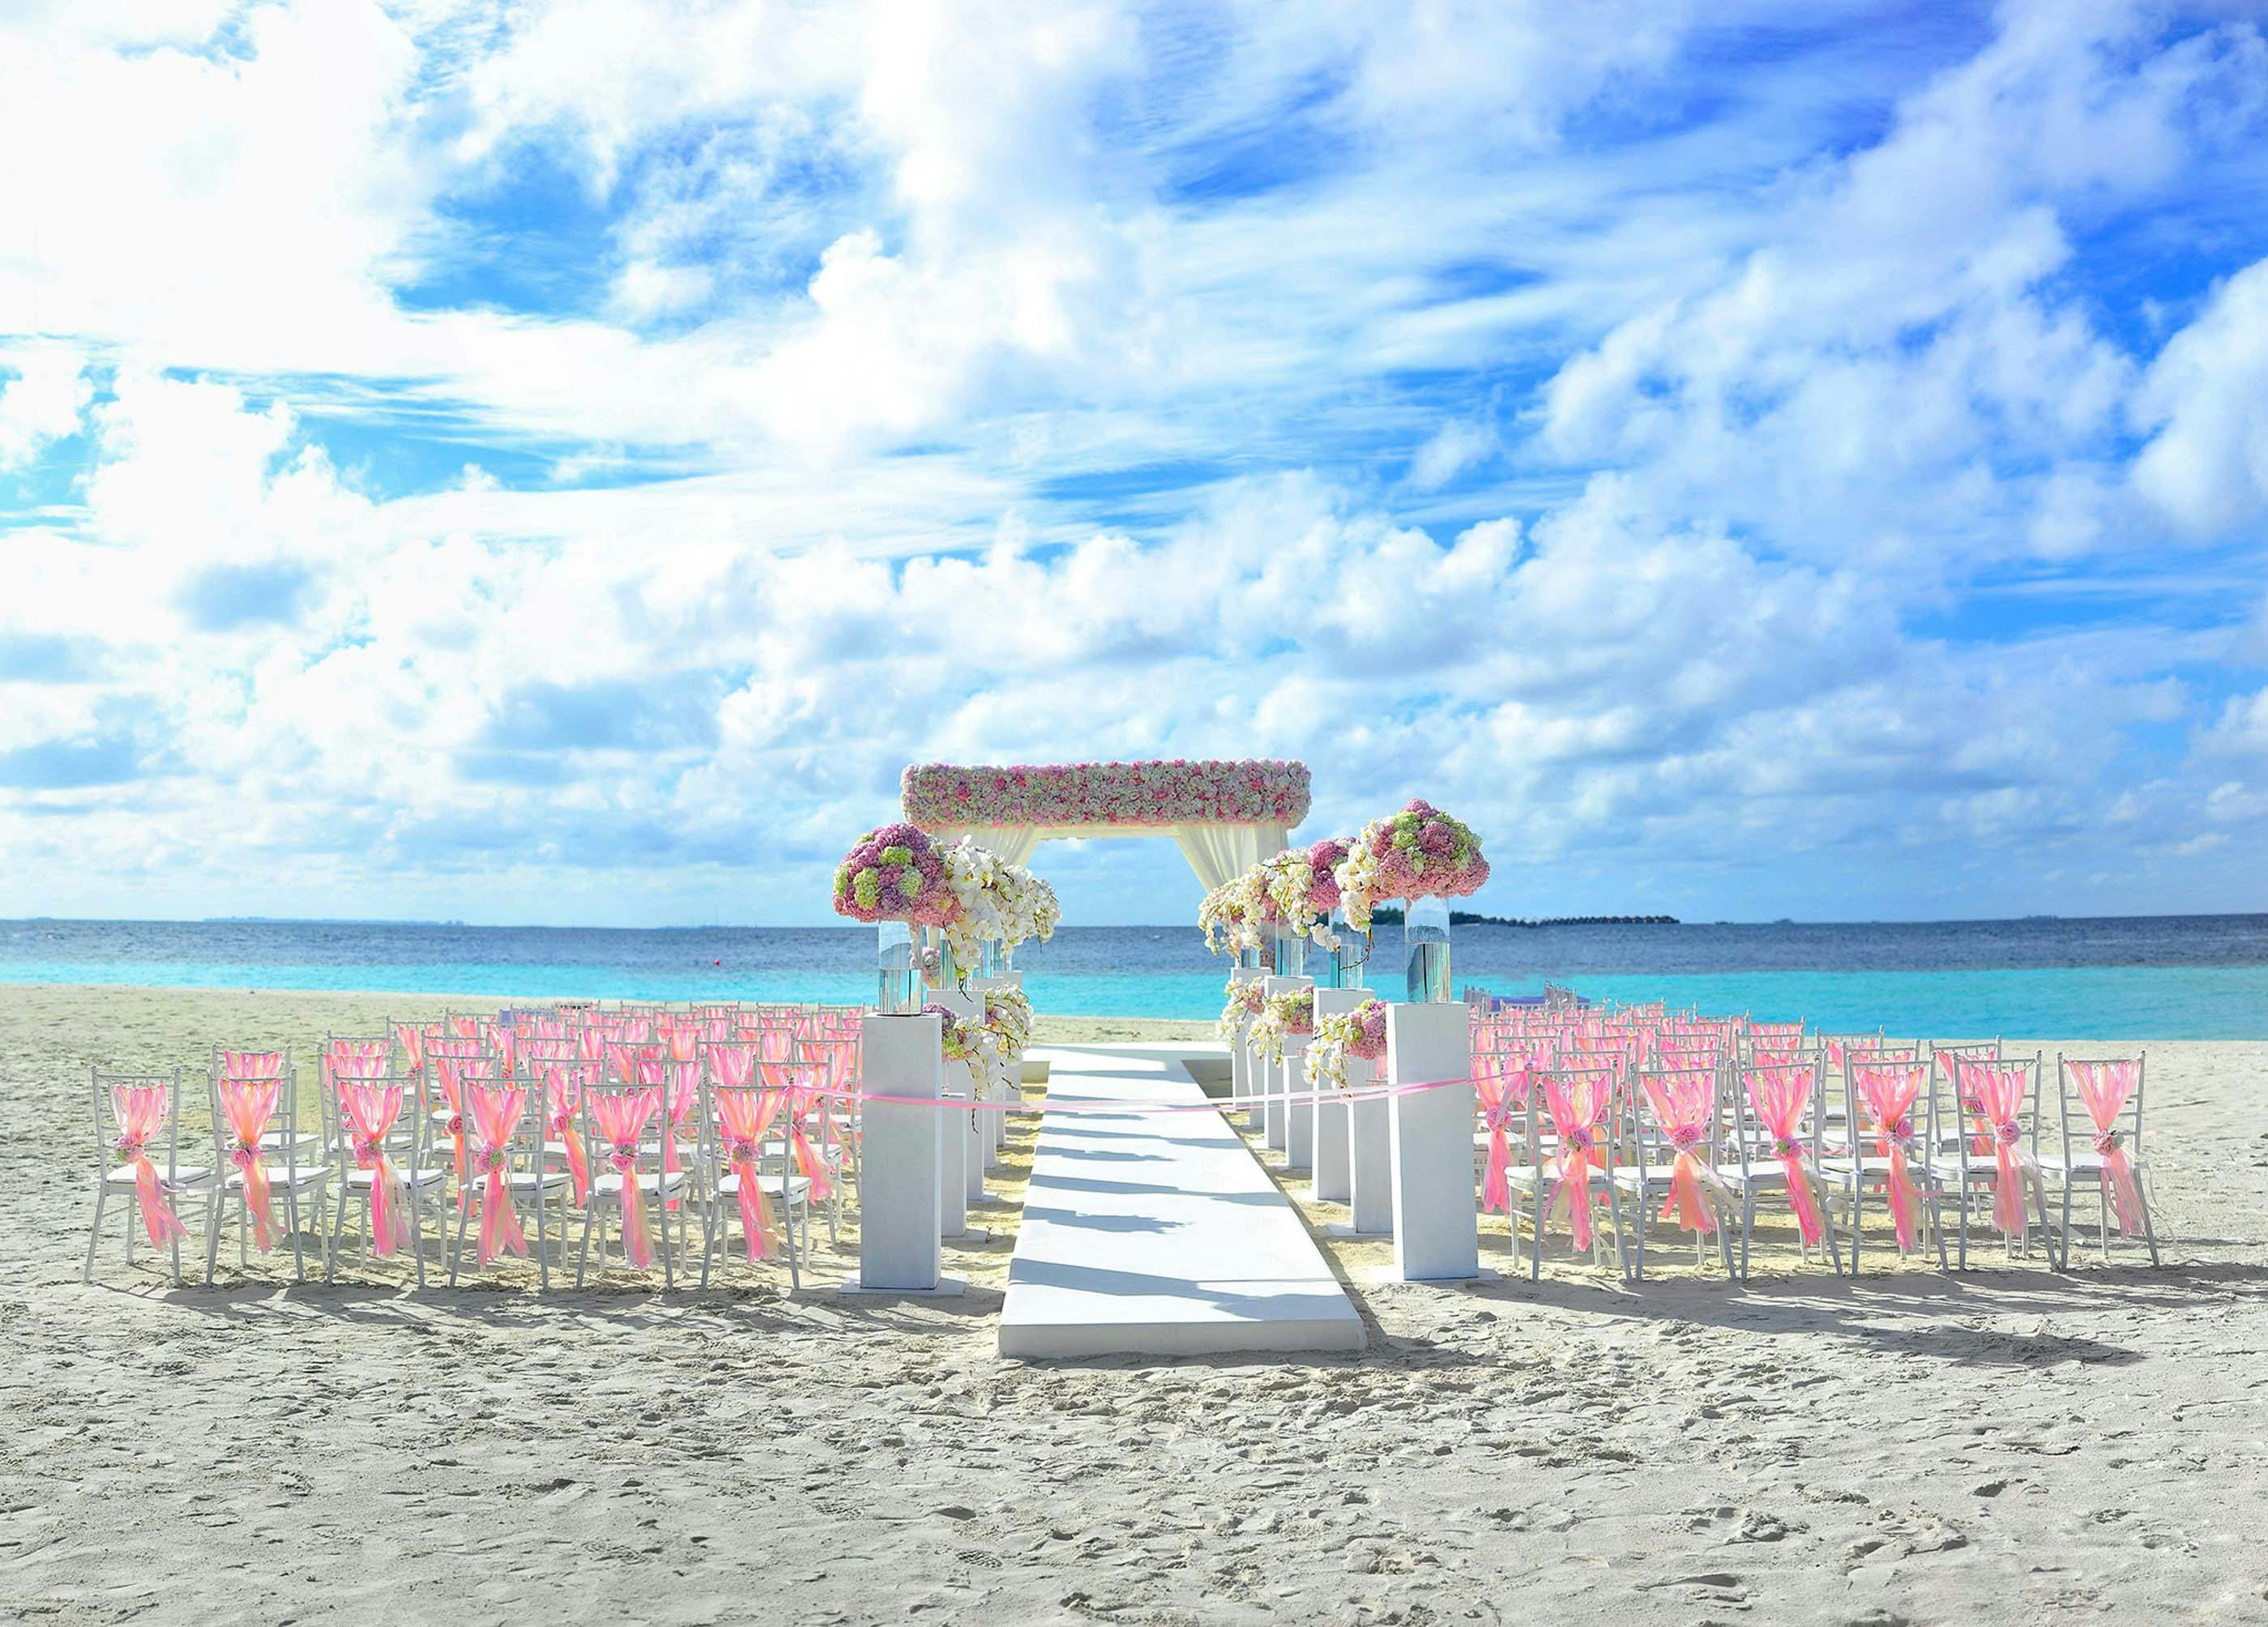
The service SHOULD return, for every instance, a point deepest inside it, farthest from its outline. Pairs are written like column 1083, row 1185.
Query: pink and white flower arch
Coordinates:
column 1225, row 815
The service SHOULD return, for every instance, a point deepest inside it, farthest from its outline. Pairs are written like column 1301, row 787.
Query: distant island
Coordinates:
column 1390, row 915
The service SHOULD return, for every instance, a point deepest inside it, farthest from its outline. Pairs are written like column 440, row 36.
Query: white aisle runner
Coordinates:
column 1158, row 1233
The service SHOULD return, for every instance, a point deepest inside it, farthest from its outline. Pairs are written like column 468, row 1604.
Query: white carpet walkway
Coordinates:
column 1158, row 1233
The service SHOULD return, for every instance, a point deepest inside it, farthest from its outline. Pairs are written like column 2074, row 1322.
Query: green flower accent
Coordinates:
column 909, row 882
column 867, row 888
column 897, row 856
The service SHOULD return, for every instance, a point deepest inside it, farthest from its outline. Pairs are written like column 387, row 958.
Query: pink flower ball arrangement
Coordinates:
column 1177, row 792
column 1420, row 852
column 1324, row 859
column 1368, row 1042
column 896, row 873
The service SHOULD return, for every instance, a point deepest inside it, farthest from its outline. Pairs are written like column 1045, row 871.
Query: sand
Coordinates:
column 1913, row 1447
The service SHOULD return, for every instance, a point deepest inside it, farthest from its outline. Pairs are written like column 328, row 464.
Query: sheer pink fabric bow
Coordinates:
column 682, row 1080
column 1998, row 1093
column 496, row 1114
column 411, row 1038
column 369, row 1111
column 1578, row 1105
column 1682, row 1104
column 780, row 1076
column 141, row 1110
column 240, row 1065
column 623, row 1117
column 247, row 1105
column 744, row 1115
column 1889, row 1093
column 1502, row 1084
column 451, row 1072
column 1780, row 1095
column 563, row 1097
column 2103, row 1088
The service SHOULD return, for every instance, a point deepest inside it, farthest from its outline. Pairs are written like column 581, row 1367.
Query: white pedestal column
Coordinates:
column 1370, row 1157
column 1298, row 1117
column 1436, row 1235
column 897, row 1165
column 1333, row 1175
column 954, row 1154
column 1240, row 1054
column 1276, row 1118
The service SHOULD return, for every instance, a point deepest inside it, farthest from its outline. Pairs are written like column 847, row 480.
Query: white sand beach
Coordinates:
column 1915, row 1446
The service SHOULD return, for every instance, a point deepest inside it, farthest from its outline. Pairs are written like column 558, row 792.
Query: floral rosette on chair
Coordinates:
column 1359, row 1033
column 1289, row 1015
column 895, row 873
column 1420, row 852
column 1245, row 1000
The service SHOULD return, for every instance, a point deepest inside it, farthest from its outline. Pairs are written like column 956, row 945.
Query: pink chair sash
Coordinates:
column 623, row 1117
column 1502, row 1084
column 744, row 1115
column 1680, row 1104
column 141, row 1110
column 247, row 1105
column 411, row 1038
column 1888, row 1094
column 1997, row 1092
column 563, row 1100
column 2103, row 1088
column 369, row 1111
column 496, row 1111
column 1578, row 1104
column 1779, row 1096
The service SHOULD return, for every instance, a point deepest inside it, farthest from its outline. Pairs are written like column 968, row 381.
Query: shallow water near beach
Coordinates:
column 2166, row 978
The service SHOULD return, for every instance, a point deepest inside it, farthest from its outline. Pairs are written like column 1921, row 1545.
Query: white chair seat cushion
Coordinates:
column 281, row 1175
column 610, row 1184
column 728, row 1185
column 1529, row 1174
column 187, row 1177
column 2078, row 1163
column 1656, row 1174
column 428, row 1174
column 1981, row 1170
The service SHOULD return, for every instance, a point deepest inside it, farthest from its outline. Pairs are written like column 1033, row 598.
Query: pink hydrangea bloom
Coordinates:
column 895, row 873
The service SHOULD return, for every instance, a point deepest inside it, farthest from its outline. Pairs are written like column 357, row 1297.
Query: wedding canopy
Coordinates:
column 1225, row 816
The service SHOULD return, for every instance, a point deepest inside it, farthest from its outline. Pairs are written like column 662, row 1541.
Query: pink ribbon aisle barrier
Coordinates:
column 1888, row 1092
column 141, row 1110
column 2103, row 1088
column 623, row 1117
column 1999, row 1094
column 247, row 1105
column 1502, row 1084
column 1780, row 1095
column 1578, row 1105
column 1682, row 1104
column 369, row 1112
column 744, row 1116
column 495, row 1110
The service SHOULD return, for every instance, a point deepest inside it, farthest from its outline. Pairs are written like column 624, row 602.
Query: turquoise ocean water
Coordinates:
column 2164, row 978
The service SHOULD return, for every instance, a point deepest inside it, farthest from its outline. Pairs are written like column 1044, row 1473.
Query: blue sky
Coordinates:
column 559, row 461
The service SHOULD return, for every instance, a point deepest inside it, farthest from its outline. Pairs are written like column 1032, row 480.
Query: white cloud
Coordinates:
column 2207, row 463
column 42, row 402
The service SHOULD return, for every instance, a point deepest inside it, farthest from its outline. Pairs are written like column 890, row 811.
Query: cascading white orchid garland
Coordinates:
column 1244, row 1002
column 998, row 902
column 1361, row 1033
column 1291, row 1014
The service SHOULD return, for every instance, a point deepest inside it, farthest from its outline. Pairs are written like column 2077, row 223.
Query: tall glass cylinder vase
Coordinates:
column 899, row 988
column 1426, row 945
column 1347, row 960
column 1248, row 956
column 940, row 969
column 1291, row 953
column 992, row 959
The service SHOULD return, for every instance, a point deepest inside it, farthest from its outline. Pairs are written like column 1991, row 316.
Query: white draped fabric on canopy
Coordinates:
column 1218, row 853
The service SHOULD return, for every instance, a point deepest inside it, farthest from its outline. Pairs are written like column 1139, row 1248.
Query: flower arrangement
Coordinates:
column 1008, row 1018
column 1234, row 913
column 1283, row 1016
column 1209, row 791
column 966, row 1039
column 1420, row 852
column 895, row 873
column 1359, row 1033
column 1244, row 1002
column 1303, row 889
column 997, row 901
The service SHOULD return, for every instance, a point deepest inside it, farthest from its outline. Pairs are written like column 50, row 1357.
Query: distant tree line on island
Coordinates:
column 1390, row 915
